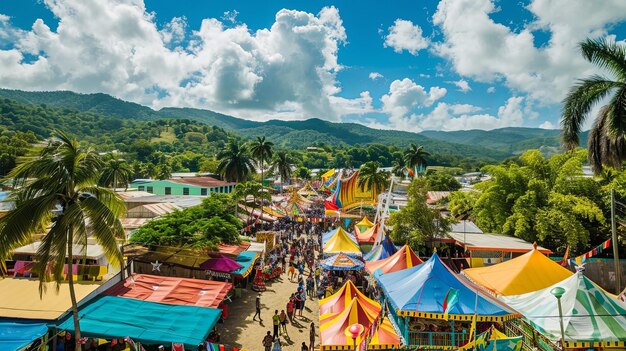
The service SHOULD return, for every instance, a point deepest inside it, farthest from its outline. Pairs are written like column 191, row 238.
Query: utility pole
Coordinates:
column 615, row 244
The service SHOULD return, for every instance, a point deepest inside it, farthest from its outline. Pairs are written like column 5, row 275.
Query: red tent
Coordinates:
column 402, row 259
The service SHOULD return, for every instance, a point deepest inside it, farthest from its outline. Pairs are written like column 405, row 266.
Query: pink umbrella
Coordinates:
column 220, row 264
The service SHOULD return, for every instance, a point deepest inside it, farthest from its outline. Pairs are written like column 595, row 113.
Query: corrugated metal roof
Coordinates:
column 93, row 251
column 494, row 242
column 208, row 182
column 162, row 209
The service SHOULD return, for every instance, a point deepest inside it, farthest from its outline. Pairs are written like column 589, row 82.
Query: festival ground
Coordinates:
column 239, row 330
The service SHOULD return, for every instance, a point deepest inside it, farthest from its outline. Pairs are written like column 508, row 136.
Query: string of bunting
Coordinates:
column 579, row 260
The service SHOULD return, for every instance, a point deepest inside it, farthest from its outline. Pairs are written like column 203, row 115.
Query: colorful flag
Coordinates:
column 451, row 299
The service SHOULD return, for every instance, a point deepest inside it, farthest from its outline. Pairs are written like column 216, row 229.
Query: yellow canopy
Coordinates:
column 494, row 334
column 341, row 242
column 307, row 190
column 529, row 272
column 19, row 298
column 328, row 174
column 364, row 224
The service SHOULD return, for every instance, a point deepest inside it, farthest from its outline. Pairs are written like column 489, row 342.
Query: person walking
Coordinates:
column 267, row 341
column 276, row 323
column 283, row 321
column 258, row 309
column 312, row 336
column 291, row 308
column 304, row 347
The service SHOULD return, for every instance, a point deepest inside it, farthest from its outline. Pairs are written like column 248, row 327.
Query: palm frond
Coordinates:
column 105, row 227
column 606, row 54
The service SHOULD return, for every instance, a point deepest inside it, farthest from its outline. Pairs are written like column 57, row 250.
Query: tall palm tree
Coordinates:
column 235, row 163
column 607, row 138
column 371, row 178
column 282, row 166
column 115, row 172
column 261, row 149
column 415, row 156
column 398, row 168
column 58, row 191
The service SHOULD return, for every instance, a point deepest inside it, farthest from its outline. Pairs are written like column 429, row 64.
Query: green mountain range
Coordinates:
column 495, row 144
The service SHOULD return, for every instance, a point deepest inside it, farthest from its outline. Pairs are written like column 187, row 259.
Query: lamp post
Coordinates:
column 354, row 331
column 558, row 293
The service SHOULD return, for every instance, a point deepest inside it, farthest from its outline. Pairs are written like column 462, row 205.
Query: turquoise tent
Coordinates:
column 381, row 250
column 16, row 336
column 146, row 322
column 420, row 292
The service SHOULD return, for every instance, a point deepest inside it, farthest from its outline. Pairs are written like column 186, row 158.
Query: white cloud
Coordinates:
column 459, row 109
column 547, row 125
column 230, row 16
column 491, row 90
column 463, row 85
column 404, row 35
column 488, row 51
column 405, row 96
column 423, row 75
column 375, row 75
column 287, row 70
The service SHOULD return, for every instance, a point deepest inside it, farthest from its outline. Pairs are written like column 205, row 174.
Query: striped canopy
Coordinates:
column 591, row 317
column 385, row 337
column 340, row 299
column 403, row 259
column 342, row 262
column 333, row 325
column 364, row 224
column 382, row 249
column 341, row 241
column 367, row 236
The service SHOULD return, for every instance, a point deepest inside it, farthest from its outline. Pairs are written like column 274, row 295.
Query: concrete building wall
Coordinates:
column 162, row 187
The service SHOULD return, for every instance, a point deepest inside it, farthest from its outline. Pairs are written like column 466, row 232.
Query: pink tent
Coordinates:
column 220, row 264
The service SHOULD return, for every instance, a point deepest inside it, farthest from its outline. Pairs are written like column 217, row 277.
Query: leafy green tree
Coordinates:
column 282, row 166
column 163, row 171
column 416, row 223
column 253, row 190
column 116, row 172
column 415, row 157
column 64, row 175
column 261, row 150
column 302, row 173
column 372, row 178
column 607, row 136
column 440, row 181
column 235, row 163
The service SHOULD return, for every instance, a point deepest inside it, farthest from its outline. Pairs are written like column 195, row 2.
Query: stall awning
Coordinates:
column 150, row 323
column 15, row 336
column 246, row 259
column 494, row 242
column 19, row 298
column 176, row 291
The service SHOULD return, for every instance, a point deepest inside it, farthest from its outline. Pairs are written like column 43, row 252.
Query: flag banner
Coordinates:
column 451, row 299
column 579, row 260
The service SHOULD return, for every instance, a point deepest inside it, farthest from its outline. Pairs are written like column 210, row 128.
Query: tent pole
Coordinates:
column 615, row 244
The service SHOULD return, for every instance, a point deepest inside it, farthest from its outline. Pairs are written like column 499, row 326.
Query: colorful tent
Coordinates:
column 150, row 323
column 529, row 272
column 364, row 224
column 591, row 318
column 342, row 262
column 16, row 336
column 420, row 292
column 246, row 260
column 307, row 190
column 381, row 250
column 367, row 236
column 402, row 259
column 333, row 325
column 494, row 340
column 326, row 236
column 220, row 264
column 338, row 301
column 385, row 337
column 341, row 242
column 348, row 194
column 176, row 291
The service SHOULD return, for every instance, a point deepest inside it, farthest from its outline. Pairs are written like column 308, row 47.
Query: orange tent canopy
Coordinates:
column 171, row 290
column 402, row 259
column 385, row 336
column 338, row 301
column 368, row 236
column 333, row 325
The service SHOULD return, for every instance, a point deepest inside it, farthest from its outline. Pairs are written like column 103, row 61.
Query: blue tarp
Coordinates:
column 422, row 289
column 150, row 323
column 246, row 259
column 15, row 336
column 381, row 250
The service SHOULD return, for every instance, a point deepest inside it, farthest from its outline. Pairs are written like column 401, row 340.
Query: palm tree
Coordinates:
column 415, row 156
column 282, row 166
column 397, row 168
column 58, row 191
column 235, row 163
column 261, row 149
column 372, row 178
column 115, row 172
column 607, row 138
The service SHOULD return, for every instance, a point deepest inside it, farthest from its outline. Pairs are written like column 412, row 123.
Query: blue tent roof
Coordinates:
column 381, row 250
column 147, row 322
column 245, row 259
column 421, row 290
column 342, row 262
column 15, row 336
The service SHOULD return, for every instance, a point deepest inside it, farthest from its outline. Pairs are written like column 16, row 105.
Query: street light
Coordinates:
column 354, row 331
column 558, row 293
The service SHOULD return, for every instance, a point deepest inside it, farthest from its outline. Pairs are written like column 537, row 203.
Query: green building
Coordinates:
column 200, row 186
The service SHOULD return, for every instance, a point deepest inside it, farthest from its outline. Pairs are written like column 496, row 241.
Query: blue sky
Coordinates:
column 406, row 65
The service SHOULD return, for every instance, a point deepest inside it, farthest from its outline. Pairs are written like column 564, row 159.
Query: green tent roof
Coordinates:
column 147, row 322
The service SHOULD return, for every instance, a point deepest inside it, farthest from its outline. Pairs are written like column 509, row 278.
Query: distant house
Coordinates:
column 199, row 186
